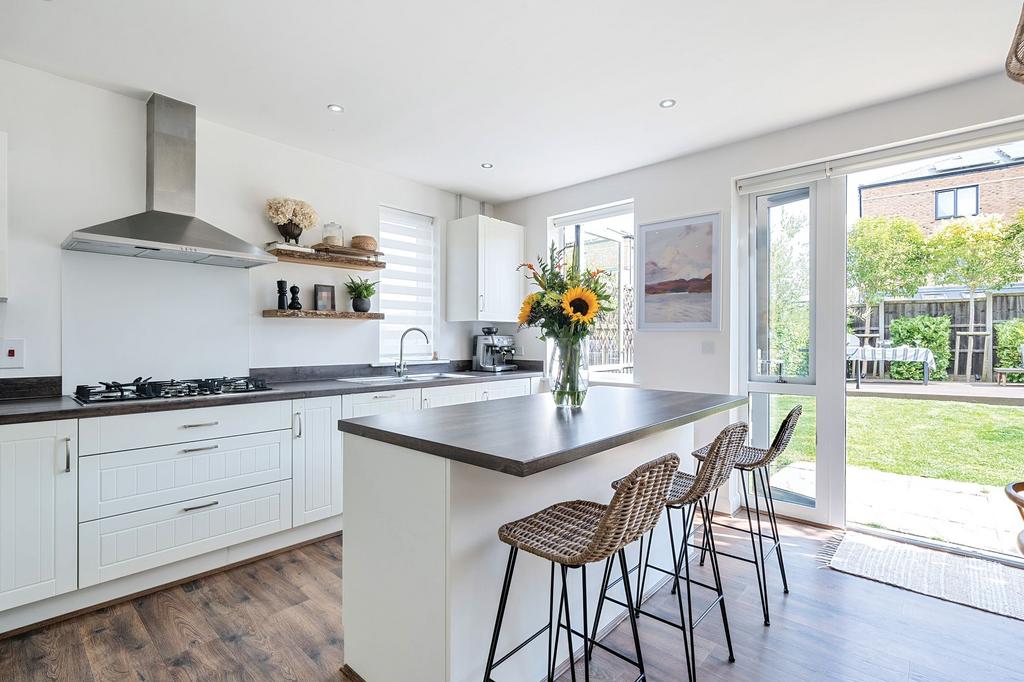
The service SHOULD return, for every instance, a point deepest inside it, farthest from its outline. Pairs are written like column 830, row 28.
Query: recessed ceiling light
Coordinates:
column 667, row 103
column 336, row 108
column 487, row 165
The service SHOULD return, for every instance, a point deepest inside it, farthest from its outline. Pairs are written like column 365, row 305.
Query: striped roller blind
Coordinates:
column 407, row 284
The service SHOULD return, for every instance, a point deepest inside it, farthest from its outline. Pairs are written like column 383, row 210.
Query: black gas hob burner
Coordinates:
column 147, row 389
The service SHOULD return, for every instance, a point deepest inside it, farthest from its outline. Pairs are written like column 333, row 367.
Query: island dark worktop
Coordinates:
column 526, row 435
column 17, row 411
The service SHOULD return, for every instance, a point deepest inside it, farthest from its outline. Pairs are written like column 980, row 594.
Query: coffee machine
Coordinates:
column 492, row 351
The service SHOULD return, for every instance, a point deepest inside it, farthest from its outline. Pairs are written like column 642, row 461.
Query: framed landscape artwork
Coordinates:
column 678, row 264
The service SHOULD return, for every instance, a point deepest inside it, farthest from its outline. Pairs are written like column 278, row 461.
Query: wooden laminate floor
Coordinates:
column 279, row 619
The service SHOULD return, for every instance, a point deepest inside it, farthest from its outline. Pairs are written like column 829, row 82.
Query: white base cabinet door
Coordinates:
column 496, row 390
column 440, row 396
column 379, row 402
column 129, row 543
column 317, row 459
column 38, row 511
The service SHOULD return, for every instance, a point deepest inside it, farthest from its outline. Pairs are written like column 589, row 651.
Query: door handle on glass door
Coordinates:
column 67, row 455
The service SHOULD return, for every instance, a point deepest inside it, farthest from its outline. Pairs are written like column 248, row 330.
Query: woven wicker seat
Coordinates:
column 749, row 458
column 581, row 532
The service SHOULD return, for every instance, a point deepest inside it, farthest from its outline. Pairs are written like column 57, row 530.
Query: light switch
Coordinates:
column 12, row 354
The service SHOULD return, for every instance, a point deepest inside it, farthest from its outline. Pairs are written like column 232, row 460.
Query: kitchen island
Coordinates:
column 425, row 493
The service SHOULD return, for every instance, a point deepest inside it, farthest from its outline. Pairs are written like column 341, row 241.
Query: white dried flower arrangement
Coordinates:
column 283, row 210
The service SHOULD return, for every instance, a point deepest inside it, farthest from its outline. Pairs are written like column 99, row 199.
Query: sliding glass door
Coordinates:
column 797, row 319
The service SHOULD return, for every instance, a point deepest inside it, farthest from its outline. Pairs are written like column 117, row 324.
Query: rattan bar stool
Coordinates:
column 757, row 461
column 574, row 534
column 689, row 494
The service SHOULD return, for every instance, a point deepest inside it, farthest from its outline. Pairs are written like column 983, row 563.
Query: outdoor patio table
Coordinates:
column 864, row 354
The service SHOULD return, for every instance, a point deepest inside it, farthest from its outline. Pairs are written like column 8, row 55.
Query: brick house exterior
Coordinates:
column 1000, row 190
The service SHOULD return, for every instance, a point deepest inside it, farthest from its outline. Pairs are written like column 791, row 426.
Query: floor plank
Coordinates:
column 280, row 619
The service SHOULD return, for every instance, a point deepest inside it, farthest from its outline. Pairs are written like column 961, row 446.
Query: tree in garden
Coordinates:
column 979, row 254
column 789, row 270
column 886, row 256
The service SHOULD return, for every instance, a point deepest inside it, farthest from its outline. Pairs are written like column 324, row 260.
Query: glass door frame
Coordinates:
column 827, row 378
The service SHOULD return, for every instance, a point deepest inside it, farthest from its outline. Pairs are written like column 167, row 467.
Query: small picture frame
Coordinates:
column 323, row 296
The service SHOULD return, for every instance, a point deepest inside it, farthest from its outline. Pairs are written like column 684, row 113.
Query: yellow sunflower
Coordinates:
column 580, row 304
column 524, row 311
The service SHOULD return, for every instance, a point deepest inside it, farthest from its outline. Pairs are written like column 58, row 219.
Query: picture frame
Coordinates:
column 323, row 297
column 679, row 284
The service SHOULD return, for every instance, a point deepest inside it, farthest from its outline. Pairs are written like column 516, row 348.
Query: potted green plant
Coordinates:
column 361, row 290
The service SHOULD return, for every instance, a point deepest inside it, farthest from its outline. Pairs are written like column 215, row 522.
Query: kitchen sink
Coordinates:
column 407, row 379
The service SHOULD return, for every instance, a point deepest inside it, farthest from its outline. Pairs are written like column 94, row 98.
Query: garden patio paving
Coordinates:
column 962, row 391
column 966, row 514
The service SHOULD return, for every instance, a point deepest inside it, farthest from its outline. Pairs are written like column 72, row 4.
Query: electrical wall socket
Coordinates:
column 12, row 353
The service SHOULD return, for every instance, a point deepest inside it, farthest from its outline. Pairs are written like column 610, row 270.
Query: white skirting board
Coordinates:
column 114, row 589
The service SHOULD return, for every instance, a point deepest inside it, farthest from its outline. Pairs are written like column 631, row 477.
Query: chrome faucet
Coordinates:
column 400, row 365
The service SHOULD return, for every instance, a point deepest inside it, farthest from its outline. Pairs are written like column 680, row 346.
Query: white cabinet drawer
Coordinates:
column 131, row 431
column 130, row 480
column 379, row 402
column 121, row 545
column 509, row 388
column 439, row 396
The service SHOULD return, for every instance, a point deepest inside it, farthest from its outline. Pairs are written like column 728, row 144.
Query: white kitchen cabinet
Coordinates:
column 482, row 281
column 379, row 402
column 130, row 431
column 129, row 543
column 439, row 396
column 317, row 459
column 38, row 511
column 509, row 388
column 130, row 480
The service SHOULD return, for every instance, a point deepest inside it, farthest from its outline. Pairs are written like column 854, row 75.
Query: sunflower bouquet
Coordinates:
column 565, row 308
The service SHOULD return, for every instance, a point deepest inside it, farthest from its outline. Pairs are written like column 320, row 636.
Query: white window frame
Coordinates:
column 413, row 340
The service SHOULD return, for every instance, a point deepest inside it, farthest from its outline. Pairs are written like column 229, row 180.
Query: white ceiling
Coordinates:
column 552, row 92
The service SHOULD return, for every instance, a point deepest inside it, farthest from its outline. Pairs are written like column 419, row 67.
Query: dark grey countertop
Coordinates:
column 526, row 435
column 62, row 407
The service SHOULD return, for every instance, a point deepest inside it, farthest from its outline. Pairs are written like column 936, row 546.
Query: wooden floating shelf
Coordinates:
column 326, row 259
column 323, row 314
column 346, row 251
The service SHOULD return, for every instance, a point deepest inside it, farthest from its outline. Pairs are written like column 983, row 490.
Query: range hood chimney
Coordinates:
column 168, row 229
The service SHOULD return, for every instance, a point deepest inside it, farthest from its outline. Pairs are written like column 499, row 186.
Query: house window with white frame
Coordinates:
column 957, row 202
column 408, row 284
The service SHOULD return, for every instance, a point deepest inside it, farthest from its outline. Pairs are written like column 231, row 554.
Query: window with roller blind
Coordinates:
column 407, row 285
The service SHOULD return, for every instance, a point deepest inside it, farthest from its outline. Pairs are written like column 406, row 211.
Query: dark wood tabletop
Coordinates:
column 526, row 435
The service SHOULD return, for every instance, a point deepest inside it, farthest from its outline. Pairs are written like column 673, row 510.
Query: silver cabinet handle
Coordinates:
column 481, row 302
column 298, row 415
column 208, row 447
column 201, row 506
column 426, row 402
column 196, row 426
column 485, row 395
column 67, row 455
column 383, row 396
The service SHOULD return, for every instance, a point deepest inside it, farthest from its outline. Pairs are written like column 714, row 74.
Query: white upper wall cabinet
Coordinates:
column 3, row 217
column 481, row 260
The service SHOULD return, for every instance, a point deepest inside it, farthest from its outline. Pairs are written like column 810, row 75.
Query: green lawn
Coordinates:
column 956, row 441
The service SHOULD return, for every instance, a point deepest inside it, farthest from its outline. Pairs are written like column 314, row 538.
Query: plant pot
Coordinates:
column 361, row 305
column 569, row 372
column 290, row 231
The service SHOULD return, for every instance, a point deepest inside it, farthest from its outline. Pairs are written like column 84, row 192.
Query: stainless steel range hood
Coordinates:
column 168, row 230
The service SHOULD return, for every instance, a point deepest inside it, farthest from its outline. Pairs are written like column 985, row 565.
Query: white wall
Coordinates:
column 77, row 158
column 707, row 361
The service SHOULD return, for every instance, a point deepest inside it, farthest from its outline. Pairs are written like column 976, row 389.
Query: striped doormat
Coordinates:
column 986, row 585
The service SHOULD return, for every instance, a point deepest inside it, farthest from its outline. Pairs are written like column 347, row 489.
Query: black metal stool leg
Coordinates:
column 713, row 551
column 760, row 545
column 551, row 622
column 643, row 582
column 509, row 569
column 679, row 593
column 704, row 538
column 600, row 604
column 777, row 539
column 687, row 529
column 586, row 626
column 568, row 625
column 631, row 609
column 558, row 630
column 753, row 547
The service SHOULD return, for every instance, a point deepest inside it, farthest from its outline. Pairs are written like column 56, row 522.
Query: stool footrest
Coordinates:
column 524, row 643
